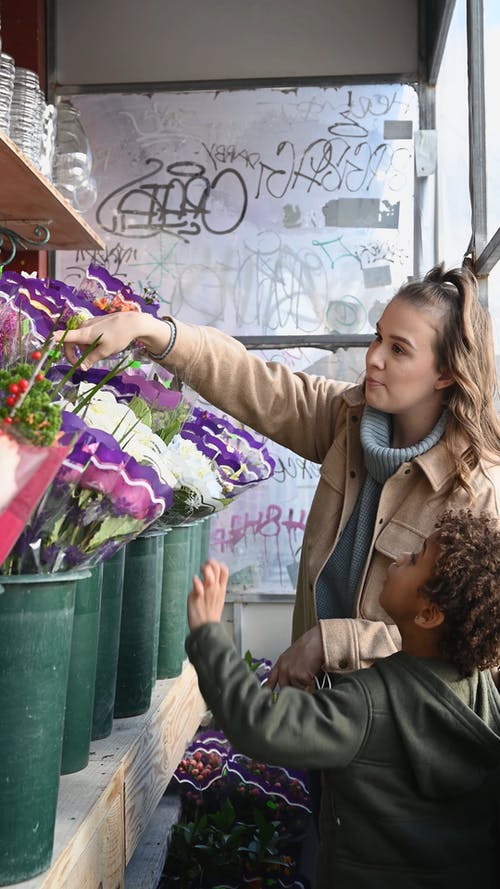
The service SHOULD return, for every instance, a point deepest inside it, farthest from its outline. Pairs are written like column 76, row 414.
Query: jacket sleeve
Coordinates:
column 323, row 730
column 352, row 644
column 296, row 410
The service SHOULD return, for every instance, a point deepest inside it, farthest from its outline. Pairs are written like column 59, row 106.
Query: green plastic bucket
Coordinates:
column 139, row 624
column 159, row 584
column 205, row 540
column 36, row 621
column 82, row 673
column 196, row 535
column 195, row 542
column 108, row 645
column 175, row 586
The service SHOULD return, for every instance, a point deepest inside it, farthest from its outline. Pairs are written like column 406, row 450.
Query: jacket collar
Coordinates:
column 354, row 396
column 435, row 463
column 437, row 466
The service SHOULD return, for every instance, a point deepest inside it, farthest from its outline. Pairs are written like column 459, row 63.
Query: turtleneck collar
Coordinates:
column 382, row 461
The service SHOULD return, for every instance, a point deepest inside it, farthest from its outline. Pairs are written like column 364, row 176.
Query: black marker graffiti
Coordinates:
column 180, row 203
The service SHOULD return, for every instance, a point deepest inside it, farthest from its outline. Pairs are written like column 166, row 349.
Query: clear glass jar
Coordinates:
column 72, row 166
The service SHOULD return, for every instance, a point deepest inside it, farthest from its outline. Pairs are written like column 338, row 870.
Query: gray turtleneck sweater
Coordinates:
column 337, row 583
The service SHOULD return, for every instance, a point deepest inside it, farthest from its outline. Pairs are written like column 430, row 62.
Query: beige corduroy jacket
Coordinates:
column 319, row 419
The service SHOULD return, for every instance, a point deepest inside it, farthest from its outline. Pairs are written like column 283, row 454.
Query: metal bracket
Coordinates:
column 16, row 241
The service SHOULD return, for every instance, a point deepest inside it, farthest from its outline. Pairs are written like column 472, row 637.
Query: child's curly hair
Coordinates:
column 466, row 587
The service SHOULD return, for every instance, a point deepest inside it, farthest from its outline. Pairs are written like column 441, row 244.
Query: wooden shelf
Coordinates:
column 28, row 198
column 104, row 810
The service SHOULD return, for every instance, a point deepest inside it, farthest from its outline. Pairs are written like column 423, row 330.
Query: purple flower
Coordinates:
column 100, row 499
column 99, row 284
column 242, row 460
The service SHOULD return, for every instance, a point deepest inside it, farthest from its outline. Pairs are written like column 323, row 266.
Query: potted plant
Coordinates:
column 217, row 850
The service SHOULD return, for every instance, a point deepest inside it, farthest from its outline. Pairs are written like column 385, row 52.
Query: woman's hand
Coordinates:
column 300, row 663
column 115, row 332
column 206, row 599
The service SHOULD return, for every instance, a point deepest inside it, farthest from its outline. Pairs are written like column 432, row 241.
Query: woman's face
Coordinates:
column 401, row 369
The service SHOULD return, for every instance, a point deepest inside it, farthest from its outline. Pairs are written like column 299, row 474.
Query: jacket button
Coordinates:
column 354, row 418
column 338, row 822
column 352, row 473
column 343, row 664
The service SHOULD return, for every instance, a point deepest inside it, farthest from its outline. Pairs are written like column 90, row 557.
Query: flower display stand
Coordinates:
column 103, row 811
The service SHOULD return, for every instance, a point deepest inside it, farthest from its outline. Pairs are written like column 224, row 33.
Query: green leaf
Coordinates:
column 115, row 526
column 56, row 530
column 141, row 410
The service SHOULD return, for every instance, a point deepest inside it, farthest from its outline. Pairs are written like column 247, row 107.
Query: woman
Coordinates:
column 419, row 435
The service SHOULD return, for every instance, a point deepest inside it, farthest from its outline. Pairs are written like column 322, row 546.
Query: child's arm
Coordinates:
column 322, row 730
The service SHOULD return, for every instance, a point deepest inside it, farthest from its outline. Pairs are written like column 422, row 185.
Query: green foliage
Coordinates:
column 142, row 410
column 218, row 847
column 166, row 424
column 36, row 418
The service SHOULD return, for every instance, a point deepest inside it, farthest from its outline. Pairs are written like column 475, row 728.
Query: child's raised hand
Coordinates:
column 206, row 599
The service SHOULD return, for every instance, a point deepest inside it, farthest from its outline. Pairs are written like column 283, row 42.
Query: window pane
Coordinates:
column 454, row 214
column 261, row 212
column 491, row 80
column 494, row 307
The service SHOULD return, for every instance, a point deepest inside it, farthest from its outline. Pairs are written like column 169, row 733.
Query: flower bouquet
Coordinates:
column 51, row 303
column 100, row 499
column 206, row 459
column 30, row 448
column 97, row 497
column 242, row 461
column 131, row 408
column 32, row 443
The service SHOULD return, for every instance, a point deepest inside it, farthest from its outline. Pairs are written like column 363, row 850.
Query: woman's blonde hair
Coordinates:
column 464, row 349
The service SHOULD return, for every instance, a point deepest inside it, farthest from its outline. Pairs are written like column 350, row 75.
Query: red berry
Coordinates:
column 36, row 355
column 10, row 400
column 39, row 377
column 23, row 384
column 14, row 388
column 7, row 420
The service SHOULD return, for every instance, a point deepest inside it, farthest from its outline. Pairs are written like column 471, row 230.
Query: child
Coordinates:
column 409, row 749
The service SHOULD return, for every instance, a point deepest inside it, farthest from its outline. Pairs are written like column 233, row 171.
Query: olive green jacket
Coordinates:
column 410, row 755
column 319, row 419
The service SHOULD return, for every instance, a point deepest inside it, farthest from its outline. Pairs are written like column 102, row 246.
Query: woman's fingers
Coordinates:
column 299, row 664
column 111, row 334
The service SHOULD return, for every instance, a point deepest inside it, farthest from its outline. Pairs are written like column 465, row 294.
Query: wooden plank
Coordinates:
column 155, row 755
column 27, row 198
column 89, row 838
column 95, row 859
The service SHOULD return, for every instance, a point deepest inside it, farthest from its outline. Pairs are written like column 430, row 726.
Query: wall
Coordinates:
column 263, row 627
column 112, row 41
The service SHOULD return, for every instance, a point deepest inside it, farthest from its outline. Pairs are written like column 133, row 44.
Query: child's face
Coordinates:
column 400, row 596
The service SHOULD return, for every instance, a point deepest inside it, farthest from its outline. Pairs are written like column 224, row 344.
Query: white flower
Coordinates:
column 179, row 464
column 194, row 470
column 135, row 438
